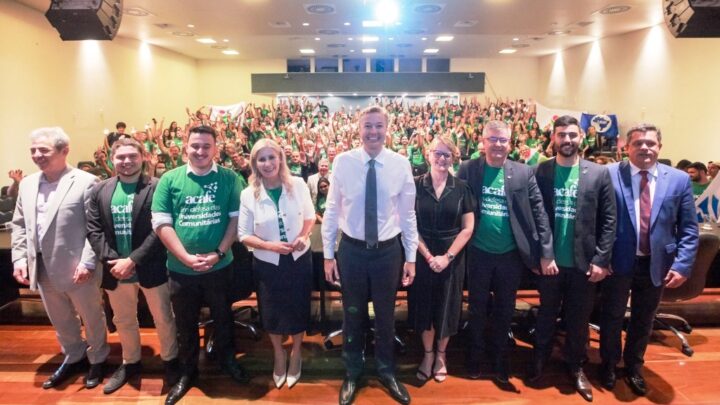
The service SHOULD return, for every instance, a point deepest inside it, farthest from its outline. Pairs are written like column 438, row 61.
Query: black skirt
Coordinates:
column 284, row 293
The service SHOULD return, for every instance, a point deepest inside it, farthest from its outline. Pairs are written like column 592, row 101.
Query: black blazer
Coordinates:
column 595, row 216
column 528, row 219
column 148, row 253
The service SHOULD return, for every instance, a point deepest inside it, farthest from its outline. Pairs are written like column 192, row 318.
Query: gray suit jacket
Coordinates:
column 528, row 218
column 595, row 211
column 64, row 244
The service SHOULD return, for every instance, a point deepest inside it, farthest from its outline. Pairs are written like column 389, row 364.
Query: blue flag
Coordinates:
column 605, row 124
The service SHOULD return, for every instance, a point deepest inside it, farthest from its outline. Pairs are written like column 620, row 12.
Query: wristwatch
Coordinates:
column 220, row 254
column 450, row 256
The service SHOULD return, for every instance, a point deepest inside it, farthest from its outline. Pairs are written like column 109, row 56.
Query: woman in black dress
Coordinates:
column 444, row 208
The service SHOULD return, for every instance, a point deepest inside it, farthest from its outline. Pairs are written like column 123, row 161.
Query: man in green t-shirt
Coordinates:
column 698, row 173
column 194, row 212
column 133, row 258
column 512, row 233
column 579, row 199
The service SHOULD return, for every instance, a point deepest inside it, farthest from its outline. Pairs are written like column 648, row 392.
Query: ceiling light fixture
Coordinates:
column 431, row 50
column 307, row 51
column 370, row 38
column 387, row 11
column 424, row 38
column 191, row 26
column 305, row 24
column 507, row 51
column 231, row 52
column 206, row 40
column 369, row 50
column 347, row 24
column 444, row 38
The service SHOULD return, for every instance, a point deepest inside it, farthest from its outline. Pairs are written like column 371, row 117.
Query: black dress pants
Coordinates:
column 645, row 298
column 188, row 294
column 369, row 275
column 570, row 289
column 501, row 275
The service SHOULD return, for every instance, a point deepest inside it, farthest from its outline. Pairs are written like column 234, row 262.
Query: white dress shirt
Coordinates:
column 636, row 177
column 259, row 217
column 345, row 205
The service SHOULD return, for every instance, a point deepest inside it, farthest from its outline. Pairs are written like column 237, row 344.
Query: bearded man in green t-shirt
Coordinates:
column 511, row 234
column 579, row 199
column 194, row 212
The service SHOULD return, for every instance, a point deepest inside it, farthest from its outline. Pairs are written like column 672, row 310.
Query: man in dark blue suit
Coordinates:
column 657, row 238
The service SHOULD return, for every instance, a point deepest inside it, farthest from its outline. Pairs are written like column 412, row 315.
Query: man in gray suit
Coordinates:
column 50, row 253
column 512, row 234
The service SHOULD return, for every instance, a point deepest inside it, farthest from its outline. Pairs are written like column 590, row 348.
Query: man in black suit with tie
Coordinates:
column 579, row 200
column 120, row 232
column 512, row 234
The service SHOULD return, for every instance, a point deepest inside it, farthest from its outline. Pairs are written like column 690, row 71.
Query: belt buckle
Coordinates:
column 371, row 246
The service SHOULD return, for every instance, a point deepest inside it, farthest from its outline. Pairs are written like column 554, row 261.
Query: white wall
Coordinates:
column 504, row 77
column 82, row 86
column 644, row 76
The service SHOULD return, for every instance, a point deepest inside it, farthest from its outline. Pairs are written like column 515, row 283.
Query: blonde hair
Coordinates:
column 375, row 109
column 255, row 179
column 445, row 140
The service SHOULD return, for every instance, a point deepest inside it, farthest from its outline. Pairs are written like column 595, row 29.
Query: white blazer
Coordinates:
column 259, row 217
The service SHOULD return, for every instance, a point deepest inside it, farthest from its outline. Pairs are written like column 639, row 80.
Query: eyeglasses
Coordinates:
column 497, row 139
column 438, row 154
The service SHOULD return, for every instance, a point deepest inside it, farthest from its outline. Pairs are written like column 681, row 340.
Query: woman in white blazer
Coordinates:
column 276, row 216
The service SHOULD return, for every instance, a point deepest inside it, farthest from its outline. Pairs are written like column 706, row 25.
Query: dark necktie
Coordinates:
column 371, row 224
column 645, row 208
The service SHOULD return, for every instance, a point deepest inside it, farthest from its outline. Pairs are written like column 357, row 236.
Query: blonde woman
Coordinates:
column 276, row 216
column 444, row 207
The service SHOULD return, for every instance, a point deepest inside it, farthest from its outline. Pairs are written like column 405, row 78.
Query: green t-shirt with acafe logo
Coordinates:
column 494, row 233
column 121, row 205
column 565, row 194
column 200, row 207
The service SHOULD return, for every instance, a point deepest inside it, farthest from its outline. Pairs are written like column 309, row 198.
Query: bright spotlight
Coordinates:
column 387, row 12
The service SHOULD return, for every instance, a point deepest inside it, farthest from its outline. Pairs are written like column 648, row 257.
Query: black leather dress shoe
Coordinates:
column 396, row 389
column 180, row 389
column 95, row 375
column 582, row 385
column 348, row 391
column 535, row 371
column 502, row 375
column 65, row 371
column 235, row 371
column 608, row 377
column 121, row 376
column 636, row 382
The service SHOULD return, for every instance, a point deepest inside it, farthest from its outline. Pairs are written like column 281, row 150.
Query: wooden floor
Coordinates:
column 29, row 354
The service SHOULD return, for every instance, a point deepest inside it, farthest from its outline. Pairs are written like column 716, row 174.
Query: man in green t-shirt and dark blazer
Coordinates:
column 133, row 259
column 579, row 199
column 194, row 213
column 511, row 234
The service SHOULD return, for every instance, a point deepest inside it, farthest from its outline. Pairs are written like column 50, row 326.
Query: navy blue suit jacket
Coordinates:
column 673, row 223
